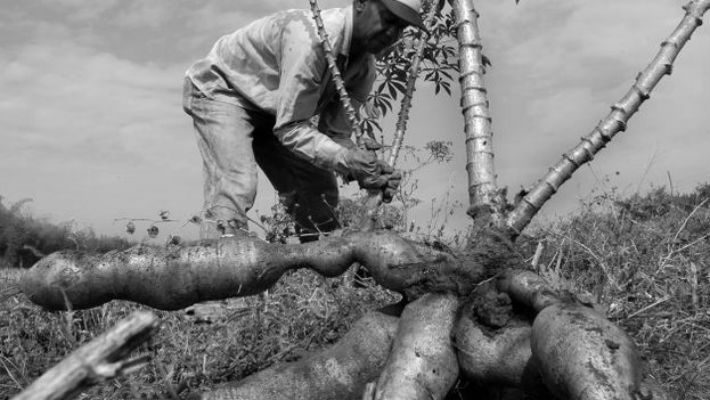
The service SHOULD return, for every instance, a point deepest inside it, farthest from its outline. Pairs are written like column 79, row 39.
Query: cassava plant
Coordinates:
column 479, row 315
column 616, row 121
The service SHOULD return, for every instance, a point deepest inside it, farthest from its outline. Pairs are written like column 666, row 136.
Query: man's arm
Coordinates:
column 334, row 120
column 303, row 66
column 302, row 69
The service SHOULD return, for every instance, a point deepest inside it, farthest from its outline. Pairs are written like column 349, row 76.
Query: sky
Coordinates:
column 92, row 128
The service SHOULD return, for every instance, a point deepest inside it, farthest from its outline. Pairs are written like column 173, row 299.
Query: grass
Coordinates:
column 302, row 313
column 644, row 260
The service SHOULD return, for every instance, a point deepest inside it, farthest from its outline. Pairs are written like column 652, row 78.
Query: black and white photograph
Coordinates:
column 355, row 199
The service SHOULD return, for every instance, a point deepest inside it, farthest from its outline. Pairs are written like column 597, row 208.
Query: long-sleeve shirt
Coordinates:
column 277, row 65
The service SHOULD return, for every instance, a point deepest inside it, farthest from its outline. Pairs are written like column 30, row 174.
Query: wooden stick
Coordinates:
column 96, row 361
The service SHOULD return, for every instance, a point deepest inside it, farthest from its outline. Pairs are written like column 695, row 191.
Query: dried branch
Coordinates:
column 615, row 122
column 96, row 361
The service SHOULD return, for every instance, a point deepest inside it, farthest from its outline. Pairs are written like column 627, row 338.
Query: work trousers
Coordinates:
column 233, row 140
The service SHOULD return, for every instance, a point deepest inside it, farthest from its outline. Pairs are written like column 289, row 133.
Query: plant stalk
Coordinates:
column 403, row 117
column 475, row 108
column 374, row 197
column 615, row 122
column 335, row 72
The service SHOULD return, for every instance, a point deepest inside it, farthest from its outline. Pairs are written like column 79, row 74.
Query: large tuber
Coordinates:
column 337, row 373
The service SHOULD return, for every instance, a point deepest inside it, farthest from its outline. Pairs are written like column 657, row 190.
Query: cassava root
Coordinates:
column 171, row 279
column 422, row 363
column 583, row 356
column 174, row 278
column 336, row 373
column 499, row 355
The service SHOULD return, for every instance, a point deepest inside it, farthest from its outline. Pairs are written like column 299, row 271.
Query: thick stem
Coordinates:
column 474, row 102
column 335, row 72
column 401, row 126
column 615, row 122
column 371, row 209
column 100, row 359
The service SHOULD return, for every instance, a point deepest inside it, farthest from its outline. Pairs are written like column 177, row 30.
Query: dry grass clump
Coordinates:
column 646, row 261
column 24, row 238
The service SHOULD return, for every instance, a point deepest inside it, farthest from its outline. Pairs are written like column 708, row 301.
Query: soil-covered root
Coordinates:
column 422, row 363
column 408, row 268
column 162, row 278
column 528, row 288
column 499, row 357
column 176, row 277
column 338, row 373
column 494, row 356
column 493, row 344
column 583, row 356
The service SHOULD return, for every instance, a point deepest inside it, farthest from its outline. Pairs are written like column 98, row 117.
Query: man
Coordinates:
column 252, row 99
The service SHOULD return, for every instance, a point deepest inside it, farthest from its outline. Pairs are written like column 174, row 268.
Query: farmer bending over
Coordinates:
column 252, row 98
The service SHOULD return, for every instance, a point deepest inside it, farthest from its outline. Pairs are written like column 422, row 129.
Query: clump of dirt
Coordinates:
column 492, row 308
column 493, row 250
column 489, row 252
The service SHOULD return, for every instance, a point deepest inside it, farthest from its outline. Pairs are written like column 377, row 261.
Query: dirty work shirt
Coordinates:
column 277, row 65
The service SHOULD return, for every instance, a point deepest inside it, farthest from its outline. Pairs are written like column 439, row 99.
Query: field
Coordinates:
column 214, row 343
column 644, row 260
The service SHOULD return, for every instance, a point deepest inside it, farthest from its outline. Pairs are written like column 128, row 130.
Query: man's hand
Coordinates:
column 393, row 180
column 372, row 173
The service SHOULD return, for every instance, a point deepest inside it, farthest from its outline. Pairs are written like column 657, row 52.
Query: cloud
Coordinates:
column 83, row 93
column 559, row 66
column 80, row 10
column 92, row 125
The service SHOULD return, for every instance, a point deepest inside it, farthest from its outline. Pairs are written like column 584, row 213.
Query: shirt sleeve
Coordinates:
column 334, row 119
column 302, row 71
